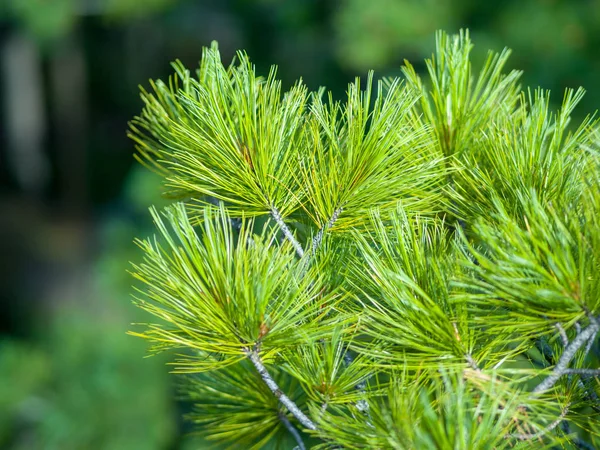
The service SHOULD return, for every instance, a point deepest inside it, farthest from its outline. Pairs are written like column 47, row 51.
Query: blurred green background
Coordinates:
column 72, row 199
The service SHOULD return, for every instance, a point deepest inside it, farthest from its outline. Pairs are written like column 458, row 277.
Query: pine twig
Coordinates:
column 578, row 442
column 235, row 222
column 590, row 394
column 541, row 433
column 584, row 372
column 589, row 345
column 568, row 354
column 545, row 350
column 272, row 385
column 287, row 232
column 286, row 422
column 563, row 334
column 472, row 363
column 319, row 236
column 362, row 405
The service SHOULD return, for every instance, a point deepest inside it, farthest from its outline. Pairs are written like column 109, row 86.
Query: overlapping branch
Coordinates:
column 292, row 430
column 562, row 367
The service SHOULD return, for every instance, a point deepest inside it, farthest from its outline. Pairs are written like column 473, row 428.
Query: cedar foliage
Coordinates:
column 414, row 267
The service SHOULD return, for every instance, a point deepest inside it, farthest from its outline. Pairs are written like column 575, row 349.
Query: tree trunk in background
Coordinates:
column 24, row 113
column 68, row 81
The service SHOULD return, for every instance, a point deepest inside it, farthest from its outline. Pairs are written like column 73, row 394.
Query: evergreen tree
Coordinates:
column 414, row 268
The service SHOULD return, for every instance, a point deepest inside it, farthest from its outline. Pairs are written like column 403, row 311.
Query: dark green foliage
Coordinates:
column 73, row 391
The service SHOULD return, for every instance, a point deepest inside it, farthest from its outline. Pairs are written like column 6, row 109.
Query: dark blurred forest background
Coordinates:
column 72, row 198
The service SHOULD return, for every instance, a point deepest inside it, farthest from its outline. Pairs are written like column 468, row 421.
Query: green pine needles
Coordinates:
column 417, row 267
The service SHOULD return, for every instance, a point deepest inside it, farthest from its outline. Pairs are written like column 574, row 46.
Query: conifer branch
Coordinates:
column 272, row 385
column 562, row 366
column 287, row 232
column 589, row 392
column 590, row 395
column 589, row 345
column 513, row 171
column 472, row 363
column 546, row 430
column 319, row 236
column 295, row 433
column 362, row 405
column 577, row 441
column 584, row 372
column 563, row 334
column 545, row 351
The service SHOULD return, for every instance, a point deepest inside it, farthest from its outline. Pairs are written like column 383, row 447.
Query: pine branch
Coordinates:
column 362, row 405
column 563, row 334
column 561, row 367
column 396, row 155
column 545, row 350
column 472, row 363
column 583, row 372
column 286, row 422
column 319, row 237
column 541, row 433
column 590, row 343
column 577, row 441
column 589, row 393
column 287, row 232
column 284, row 399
